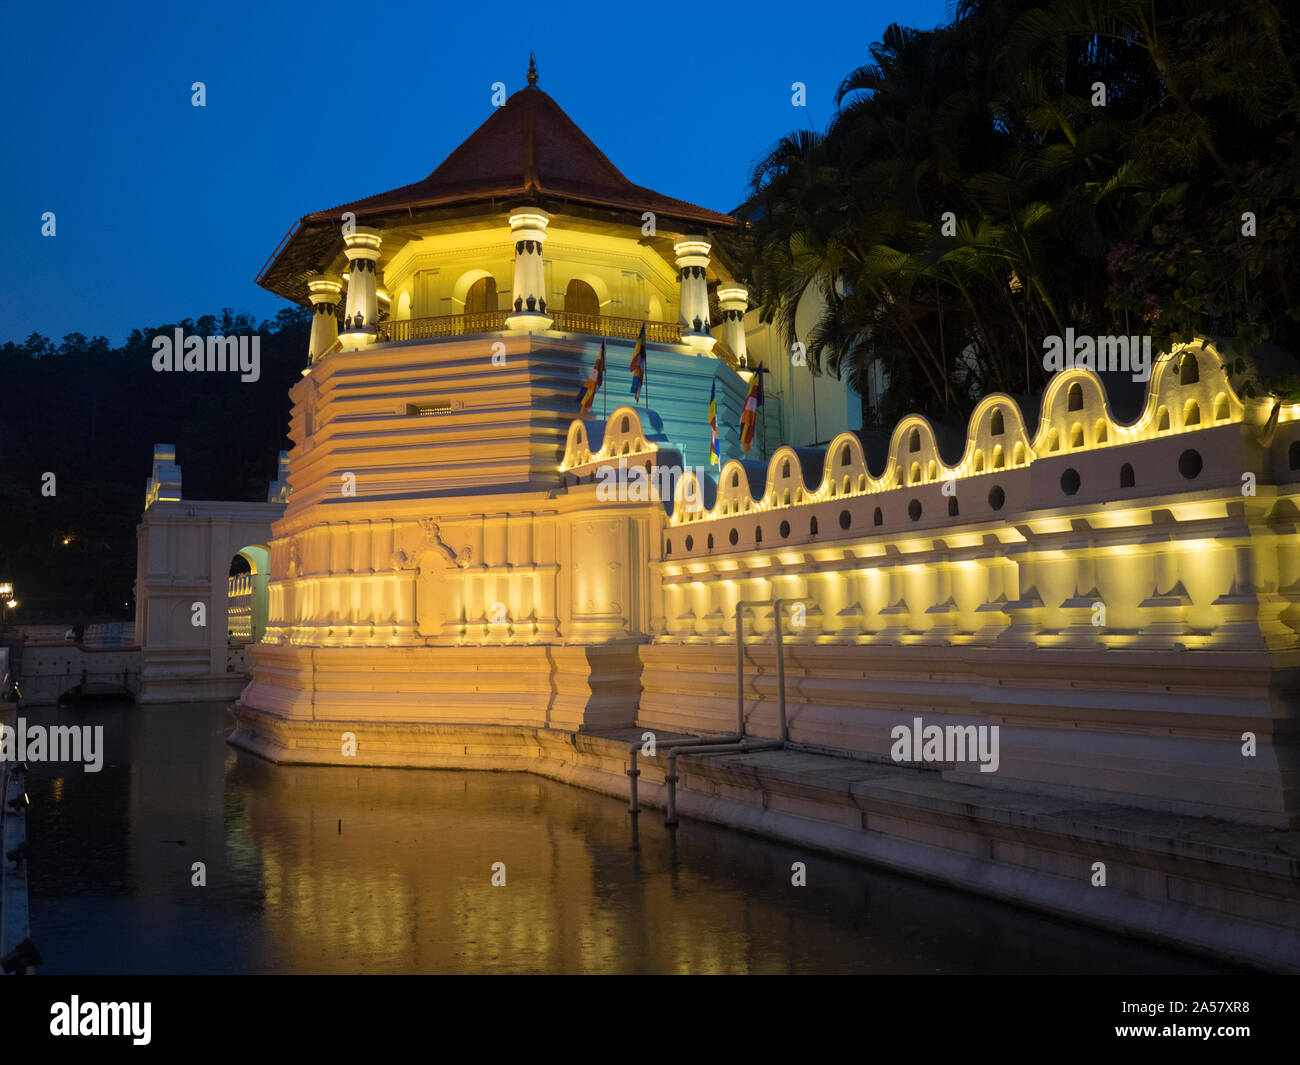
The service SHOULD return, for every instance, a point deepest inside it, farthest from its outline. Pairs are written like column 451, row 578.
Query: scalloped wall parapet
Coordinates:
column 621, row 435
column 1189, row 391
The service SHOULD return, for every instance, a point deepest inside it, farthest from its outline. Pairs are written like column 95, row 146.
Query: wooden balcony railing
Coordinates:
column 447, row 325
column 602, row 325
column 721, row 351
column 455, row 325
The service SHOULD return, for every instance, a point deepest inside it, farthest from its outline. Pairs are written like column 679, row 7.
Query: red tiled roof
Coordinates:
column 529, row 149
column 529, row 146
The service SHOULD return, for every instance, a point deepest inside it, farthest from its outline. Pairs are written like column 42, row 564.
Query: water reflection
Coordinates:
column 316, row 869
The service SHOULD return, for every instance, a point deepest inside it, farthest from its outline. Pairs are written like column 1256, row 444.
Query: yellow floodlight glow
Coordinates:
column 528, row 218
column 692, row 247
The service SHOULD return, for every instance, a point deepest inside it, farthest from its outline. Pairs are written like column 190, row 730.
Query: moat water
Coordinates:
column 339, row 870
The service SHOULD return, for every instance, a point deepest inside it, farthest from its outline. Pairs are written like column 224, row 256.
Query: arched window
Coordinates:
column 482, row 296
column 580, row 298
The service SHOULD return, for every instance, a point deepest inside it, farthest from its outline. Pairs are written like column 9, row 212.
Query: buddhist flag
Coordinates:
column 587, row 393
column 713, row 424
column 638, row 363
column 749, row 415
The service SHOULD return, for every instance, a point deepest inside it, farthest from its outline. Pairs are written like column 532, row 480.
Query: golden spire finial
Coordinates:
column 532, row 69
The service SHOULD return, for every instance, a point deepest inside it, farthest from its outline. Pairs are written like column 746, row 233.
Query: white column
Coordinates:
column 362, row 310
column 692, row 269
column 528, row 295
column 734, row 301
column 325, row 293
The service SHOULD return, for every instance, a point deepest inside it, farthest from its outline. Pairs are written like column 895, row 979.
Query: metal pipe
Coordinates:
column 633, row 773
column 740, row 667
column 777, row 604
column 670, row 778
column 700, row 741
column 670, row 810
column 733, row 748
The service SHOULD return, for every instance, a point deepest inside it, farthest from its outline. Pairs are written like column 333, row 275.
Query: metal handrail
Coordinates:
column 777, row 605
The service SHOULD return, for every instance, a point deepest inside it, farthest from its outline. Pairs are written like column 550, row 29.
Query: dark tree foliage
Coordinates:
column 91, row 414
column 1119, row 219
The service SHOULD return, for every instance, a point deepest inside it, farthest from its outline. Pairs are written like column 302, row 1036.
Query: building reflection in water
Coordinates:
column 406, row 884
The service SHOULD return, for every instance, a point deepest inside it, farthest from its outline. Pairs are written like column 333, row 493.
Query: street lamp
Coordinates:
column 7, row 599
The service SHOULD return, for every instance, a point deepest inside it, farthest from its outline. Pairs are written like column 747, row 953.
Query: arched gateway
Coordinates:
column 187, row 601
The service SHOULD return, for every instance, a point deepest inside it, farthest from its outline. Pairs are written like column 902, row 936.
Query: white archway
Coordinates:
column 182, row 591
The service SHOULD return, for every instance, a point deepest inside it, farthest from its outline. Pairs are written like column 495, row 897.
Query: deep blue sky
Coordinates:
column 166, row 211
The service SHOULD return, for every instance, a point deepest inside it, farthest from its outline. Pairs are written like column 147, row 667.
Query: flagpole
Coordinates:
column 816, row 435
column 604, row 403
